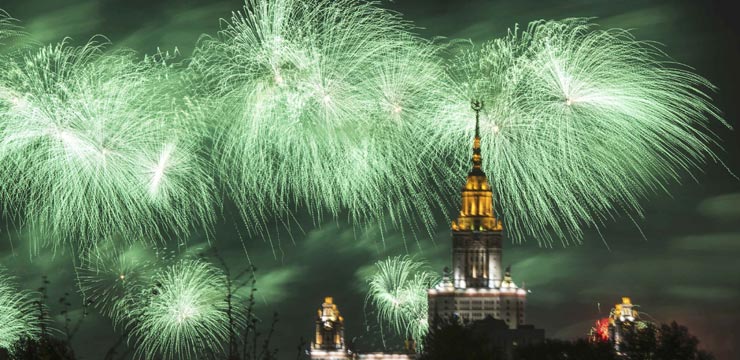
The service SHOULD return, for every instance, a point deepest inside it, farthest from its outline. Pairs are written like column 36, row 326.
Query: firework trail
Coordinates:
column 581, row 124
column 18, row 313
column 92, row 147
column 113, row 280
column 398, row 293
column 8, row 28
column 319, row 101
column 184, row 315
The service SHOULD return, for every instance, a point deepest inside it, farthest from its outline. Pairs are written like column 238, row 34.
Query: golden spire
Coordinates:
column 476, row 213
column 477, row 106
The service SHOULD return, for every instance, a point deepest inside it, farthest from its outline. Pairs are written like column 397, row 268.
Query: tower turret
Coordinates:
column 329, row 328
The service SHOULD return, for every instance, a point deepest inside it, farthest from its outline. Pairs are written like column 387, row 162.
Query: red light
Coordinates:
column 602, row 329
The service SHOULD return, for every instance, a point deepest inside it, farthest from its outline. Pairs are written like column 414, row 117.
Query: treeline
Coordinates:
column 651, row 342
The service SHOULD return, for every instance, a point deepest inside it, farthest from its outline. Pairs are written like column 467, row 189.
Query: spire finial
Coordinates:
column 477, row 105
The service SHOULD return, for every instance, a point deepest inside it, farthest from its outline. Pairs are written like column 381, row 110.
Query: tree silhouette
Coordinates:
column 449, row 339
column 667, row 342
column 566, row 350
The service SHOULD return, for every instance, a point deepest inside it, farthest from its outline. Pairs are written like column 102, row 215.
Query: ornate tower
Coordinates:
column 329, row 344
column 624, row 319
column 329, row 339
column 476, row 287
column 476, row 234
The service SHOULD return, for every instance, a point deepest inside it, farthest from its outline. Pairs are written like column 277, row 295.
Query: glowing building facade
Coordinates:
column 477, row 286
column 328, row 341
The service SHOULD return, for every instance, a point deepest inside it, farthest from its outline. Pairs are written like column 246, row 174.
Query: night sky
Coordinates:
column 687, row 269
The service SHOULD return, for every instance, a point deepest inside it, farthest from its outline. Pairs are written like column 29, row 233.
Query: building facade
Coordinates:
column 477, row 286
column 328, row 343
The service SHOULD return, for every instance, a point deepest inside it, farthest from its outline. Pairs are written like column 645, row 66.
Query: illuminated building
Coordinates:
column 329, row 343
column 623, row 319
column 478, row 290
column 477, row 287
column 625, row 311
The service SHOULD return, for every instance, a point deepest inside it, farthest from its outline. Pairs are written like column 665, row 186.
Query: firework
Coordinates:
column 600, row 331
column 580, row 124
column 319, row 101
column 91, row 147
column 185, row 314
column 113, row 280
column 18, row 313
column 7, row 26
column 398, row 293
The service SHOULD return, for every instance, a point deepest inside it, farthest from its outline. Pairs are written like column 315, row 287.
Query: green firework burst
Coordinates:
column 580, row 124
column 398, row 293
column 18, row 313
column 91, row 147
column 321, row 100
column 184, row 314
column 113, row 280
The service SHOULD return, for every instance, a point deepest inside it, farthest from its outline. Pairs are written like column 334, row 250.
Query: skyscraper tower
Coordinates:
column 476, row 235
column 477, row 286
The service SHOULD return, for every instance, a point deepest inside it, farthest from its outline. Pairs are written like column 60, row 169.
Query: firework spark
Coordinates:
column 319, row 99
column 581, row 124
column 91, row 147
column 398, row 293
column 184, row 315
column 8, row 28
column 113, row 280
column 18, row 313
